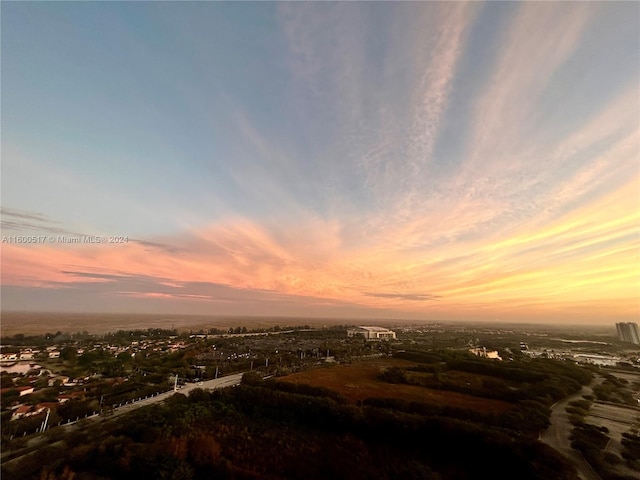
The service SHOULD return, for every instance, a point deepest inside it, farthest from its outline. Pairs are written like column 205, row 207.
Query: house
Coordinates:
column 60, row 378
column 26, row 355
column 69, row 396
column 25, row 391
column 30, row 410
column 372, row 333
column 23, row 411
column 21, row 390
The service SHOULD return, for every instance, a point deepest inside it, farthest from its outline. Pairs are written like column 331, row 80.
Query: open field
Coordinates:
column 37, row 323
column 471, row 381
column 360, row 381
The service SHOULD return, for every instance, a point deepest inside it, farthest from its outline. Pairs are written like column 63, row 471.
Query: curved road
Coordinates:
column 557, row 435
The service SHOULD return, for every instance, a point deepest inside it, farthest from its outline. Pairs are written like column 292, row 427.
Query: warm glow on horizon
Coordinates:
column 468, row 161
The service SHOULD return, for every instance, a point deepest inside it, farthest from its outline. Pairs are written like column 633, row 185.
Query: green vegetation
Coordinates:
column 258, row 430
column 452, row 415
column 592, row 441
column 578, row 411
column 631, row 449
column 615, row 390
column 533, row 385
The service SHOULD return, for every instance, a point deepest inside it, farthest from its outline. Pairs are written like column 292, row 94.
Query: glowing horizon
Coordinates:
column 421, row 161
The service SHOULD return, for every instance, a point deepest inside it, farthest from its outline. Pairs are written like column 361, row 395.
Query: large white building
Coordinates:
column 372, row 333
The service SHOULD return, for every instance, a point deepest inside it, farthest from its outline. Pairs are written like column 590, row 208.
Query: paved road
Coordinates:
column 222, row 382
column 37, row 440
column 228, row 381
column 557, row 435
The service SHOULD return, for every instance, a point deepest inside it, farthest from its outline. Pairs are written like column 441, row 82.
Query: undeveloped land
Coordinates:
column 360, row 381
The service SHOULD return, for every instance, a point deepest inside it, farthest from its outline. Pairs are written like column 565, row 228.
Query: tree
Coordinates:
column 124, row 357
column 6, row 381
column 69, row 354
column 395, row 375
column 251, row 378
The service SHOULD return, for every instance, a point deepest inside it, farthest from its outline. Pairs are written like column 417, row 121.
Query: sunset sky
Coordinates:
column 428, row 161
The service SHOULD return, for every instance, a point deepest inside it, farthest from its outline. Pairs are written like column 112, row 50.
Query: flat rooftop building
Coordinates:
column 372, row 333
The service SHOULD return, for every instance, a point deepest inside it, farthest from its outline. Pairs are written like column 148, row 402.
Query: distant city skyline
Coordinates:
column 420, row 160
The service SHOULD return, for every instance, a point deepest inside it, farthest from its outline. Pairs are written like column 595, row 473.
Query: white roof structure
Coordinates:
column 372, row 333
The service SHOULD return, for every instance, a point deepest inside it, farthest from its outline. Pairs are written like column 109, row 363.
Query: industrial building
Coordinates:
column 628, row 332
column 372, row 333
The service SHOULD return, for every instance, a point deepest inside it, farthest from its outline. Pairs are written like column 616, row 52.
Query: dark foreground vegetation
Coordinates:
column 267, row 429
column 260, row 431
column 592, row 440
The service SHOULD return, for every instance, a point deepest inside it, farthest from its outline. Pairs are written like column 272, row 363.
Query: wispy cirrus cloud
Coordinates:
column 538, row 40
column 14, row 220
column 32, row 216
column 417, row 297
column 425, row 159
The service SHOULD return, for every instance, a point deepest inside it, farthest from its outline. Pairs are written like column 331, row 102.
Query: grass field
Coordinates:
column 360, row 381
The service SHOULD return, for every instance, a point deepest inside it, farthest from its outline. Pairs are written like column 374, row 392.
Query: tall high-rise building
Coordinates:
column 628, row 332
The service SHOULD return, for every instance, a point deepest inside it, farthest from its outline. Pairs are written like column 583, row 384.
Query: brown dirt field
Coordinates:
column 359, row 381
column 471, row 380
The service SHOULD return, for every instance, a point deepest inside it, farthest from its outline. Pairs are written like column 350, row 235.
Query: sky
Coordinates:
column 420, row 160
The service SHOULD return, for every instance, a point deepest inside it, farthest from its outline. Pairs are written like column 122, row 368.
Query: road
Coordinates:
column 222, row 382
column 557, row 435
column 13, row 458
column 228, row 381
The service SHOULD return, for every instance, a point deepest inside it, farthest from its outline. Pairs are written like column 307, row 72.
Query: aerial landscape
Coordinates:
column 300, row 240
